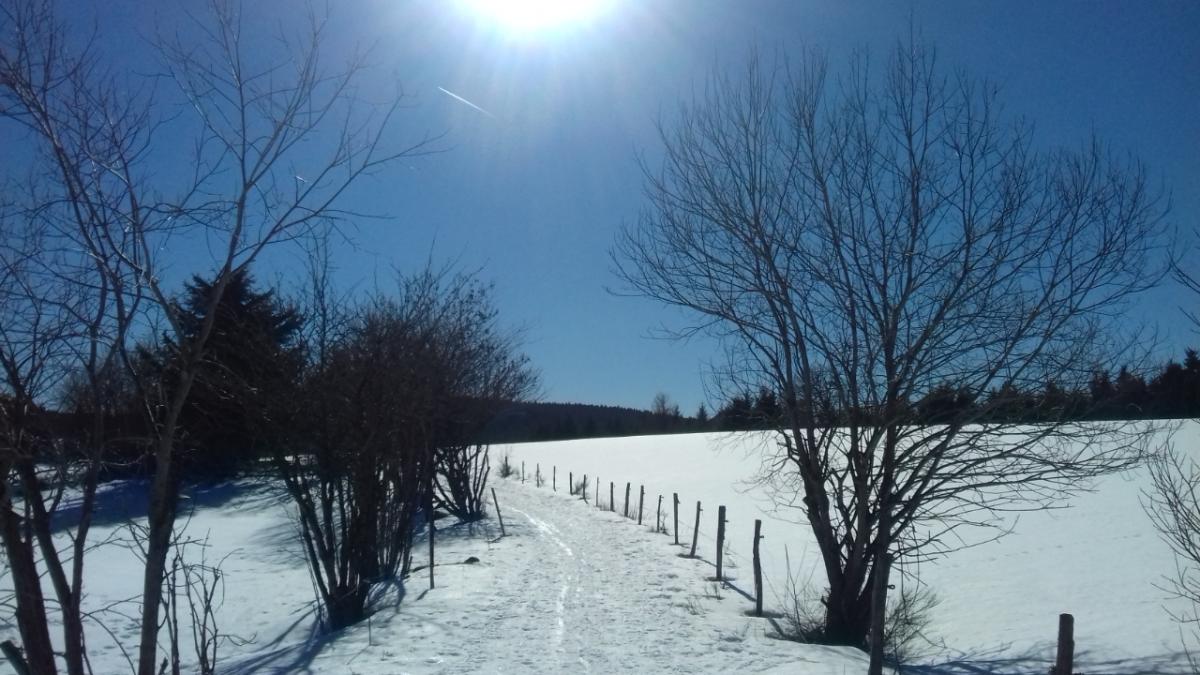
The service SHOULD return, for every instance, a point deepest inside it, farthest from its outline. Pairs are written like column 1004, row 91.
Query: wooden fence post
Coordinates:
column 675, row 500
column 537, row 475
column 496, row 503
column 554, row 478
column 584, row 490
column 431, row 533
column 641, row 499
column 720, row 539
column 571, row 482
column 696, row 530
column 758, row 585
column 658, row 516
column 612, row 503
column 626, row 512
column 1064, row 662
column 597, row 492
column 522, row 472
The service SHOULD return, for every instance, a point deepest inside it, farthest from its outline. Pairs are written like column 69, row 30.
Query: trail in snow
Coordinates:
column 578, row 589
column 570, row 589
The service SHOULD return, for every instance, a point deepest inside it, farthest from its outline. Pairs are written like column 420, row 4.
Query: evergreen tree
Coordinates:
column 250, row 362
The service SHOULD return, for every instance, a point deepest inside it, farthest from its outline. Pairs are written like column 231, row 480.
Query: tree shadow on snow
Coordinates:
column 1036, row 661
column 118, row 502
column 277, row 657
column 474, row 529
column 286, row 654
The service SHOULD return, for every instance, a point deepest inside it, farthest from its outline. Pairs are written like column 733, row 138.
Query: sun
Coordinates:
column 530, row 16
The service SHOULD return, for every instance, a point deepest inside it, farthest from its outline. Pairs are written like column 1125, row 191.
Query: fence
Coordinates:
column 580, row 491
column 1064, row 655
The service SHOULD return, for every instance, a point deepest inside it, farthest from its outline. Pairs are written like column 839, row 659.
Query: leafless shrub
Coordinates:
column 463, row 480
column 506, row 468
column 392, row 390
column 202, row 586
column 800, row 607
column 908, row 619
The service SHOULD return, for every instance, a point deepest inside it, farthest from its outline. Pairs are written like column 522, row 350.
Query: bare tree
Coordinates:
column 1173, row 506
column 67, row 310
column 863, row 244
column 292, row 135
column 661, row 404
column 1187, row 277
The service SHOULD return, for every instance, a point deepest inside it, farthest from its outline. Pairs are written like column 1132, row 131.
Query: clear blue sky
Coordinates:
column 533, row 192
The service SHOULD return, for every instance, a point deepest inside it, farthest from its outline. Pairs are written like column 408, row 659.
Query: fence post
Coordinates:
column 571, row 482
column 675, row 500
column 496, row 503
column 612, row 503
column 537, row 475
column 758, row 585
column 1064, row 663
column 641, row 499
column 597, row 491
column 431, row 533
column 522, row 472
column 554, row 478
column 658, row 516
column 696, row 530
column 584, row 490
column 720, row 539
column 626, row 511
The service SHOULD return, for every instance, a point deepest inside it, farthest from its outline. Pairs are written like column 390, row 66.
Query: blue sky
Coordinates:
column 533, row 191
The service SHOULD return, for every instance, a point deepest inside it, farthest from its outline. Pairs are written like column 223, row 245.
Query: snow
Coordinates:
column 1099, row 560
column 568, row 589
column 573, row 587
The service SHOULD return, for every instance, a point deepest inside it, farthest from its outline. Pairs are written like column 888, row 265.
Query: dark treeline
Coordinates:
column 1173, row 392
column 530, row 421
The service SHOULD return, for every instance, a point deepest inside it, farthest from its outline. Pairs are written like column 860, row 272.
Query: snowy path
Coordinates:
column 575, row 589
column 570, row 589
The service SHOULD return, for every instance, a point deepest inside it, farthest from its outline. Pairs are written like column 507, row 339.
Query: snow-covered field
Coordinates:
column 1099, row 560
column 575, row 588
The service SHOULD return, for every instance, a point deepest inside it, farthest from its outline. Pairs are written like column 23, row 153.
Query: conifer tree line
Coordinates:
column 1170, row 392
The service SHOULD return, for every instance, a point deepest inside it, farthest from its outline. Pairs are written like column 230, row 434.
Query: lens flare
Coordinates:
column 528, row 16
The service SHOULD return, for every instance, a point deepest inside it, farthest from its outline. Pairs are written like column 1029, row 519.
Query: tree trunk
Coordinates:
column 31, row 605
column 68, row 596
column 847, row 616
column 164, row 499
column 346, row 607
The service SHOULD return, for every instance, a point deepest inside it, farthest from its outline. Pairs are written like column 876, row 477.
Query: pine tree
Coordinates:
column 250, row 361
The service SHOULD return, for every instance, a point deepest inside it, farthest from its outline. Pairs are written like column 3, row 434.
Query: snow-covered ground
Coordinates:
column 1099, row 560
column 576, row 588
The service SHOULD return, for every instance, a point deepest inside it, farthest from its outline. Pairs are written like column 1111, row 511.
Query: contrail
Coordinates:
column 459, row 98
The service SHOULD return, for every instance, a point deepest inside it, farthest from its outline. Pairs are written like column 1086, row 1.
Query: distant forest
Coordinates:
column 1171, row 392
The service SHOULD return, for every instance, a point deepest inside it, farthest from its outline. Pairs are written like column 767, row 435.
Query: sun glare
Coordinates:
column 527, row 16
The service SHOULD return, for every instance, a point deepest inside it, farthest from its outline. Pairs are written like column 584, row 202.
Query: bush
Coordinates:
column 506, row 468
column 908, row 616
column 581, row 488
